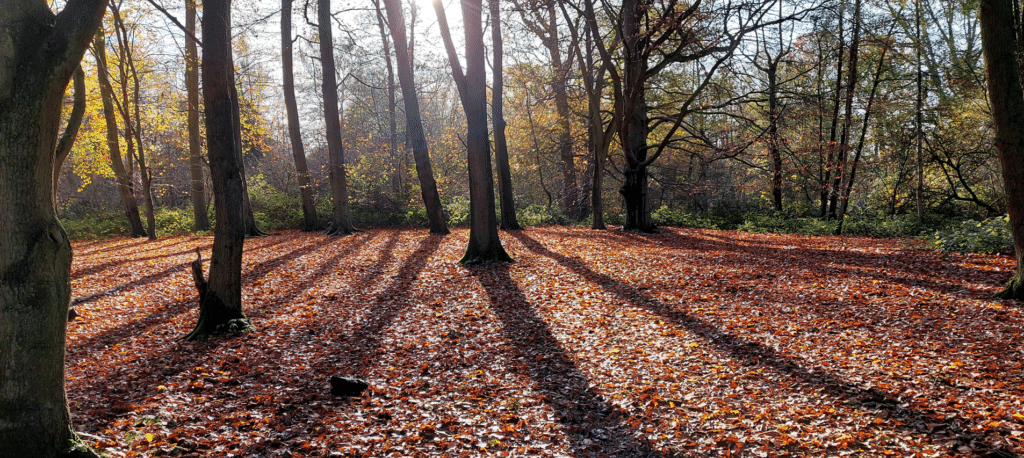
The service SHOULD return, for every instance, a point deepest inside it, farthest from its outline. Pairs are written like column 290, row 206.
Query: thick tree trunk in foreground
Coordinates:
column 415, row 136
column 340, row 222
column 310, row 221
column 195, row 160
column 506, row 197
column 38, row 54
column 634, row 129
column 220, row 305
column 999, row 42
column 124, row 185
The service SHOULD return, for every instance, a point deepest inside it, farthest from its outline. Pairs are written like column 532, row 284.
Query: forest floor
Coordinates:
column 687, row 342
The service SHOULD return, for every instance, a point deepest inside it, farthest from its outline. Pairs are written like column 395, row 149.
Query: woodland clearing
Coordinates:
column 593, row 343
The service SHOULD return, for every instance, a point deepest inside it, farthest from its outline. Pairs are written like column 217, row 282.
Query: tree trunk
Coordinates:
column 397, row 183
column 220, row 305
column 569, row 186
column 35, row 254
column 195, row 160
column 248, row 217
column 415, row 137
column 131, row 113
column 309, row 215
column 67, row 139
column 506, row 196
column 484, row 245
column 844, row 137
column 340, row 223
column 830, row 163
column 633, row 132
column 999, row 44
column 124, row 185
column 773, row 133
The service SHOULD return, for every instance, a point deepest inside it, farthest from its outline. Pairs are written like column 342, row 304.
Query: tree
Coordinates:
column 484, row 245
column 544, row 24
column 415, row 136
column 130, row 109
column 309, row 216
column 340, row 223
column 1000, row 47
column 124, row 183
column 40, row 51
column 506, row 197
column 220, row 298
column 195, row 160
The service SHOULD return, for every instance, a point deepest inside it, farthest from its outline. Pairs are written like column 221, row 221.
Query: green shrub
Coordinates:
column 174, row 221
column 778, row 223
column 884, row 226
column 457, row 209
column 666, row 216
column 988, row 236
column 97, row 226
column 536, row 215
column 274, row 209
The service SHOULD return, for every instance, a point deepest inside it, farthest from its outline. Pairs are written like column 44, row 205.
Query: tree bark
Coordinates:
column 633, row 132
column 39, row 51
column 397, row 181
column 195, row 160
column 309, row 216
column 999, row 45
column 220, row 306
column 340, row 223
column 415, row 137
column 484, row 245
column 506, row 196
column 844, row 136
column 124, row 184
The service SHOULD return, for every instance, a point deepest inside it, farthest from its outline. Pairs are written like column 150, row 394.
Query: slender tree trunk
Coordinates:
column 919, row 105
column 309, row 216
column 506, row 196
column 220, row 299
column 252, row 229
column 340, row 223
column 773, row 133
column 830, row 164
column 569, row 186
column 397, row 183
column 868, row 111
column 67, row 139
column 124, row 186
column 415, row 137
column 35, row 254
column 195, row 160
column 1000, row 45
column 131, row 113
column 844, row 138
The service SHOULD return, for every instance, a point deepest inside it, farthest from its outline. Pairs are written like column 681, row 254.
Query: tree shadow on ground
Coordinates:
column 595, row 428
column 364, row 342
column 753, row 353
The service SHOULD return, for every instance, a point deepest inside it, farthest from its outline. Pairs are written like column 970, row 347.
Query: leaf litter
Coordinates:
column 592, row 344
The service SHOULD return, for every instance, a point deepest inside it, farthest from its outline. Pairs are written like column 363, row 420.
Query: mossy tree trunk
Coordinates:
column 341, row 224
column 39, row 51
column 310, row 220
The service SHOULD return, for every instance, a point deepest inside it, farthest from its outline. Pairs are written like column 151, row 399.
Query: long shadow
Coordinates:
column 169, row 311
column 594, row 427
column 97, row 268
column 317, row 275
column 390, row 303
column 884, row 267
column 753, row 353
column 151, row 278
